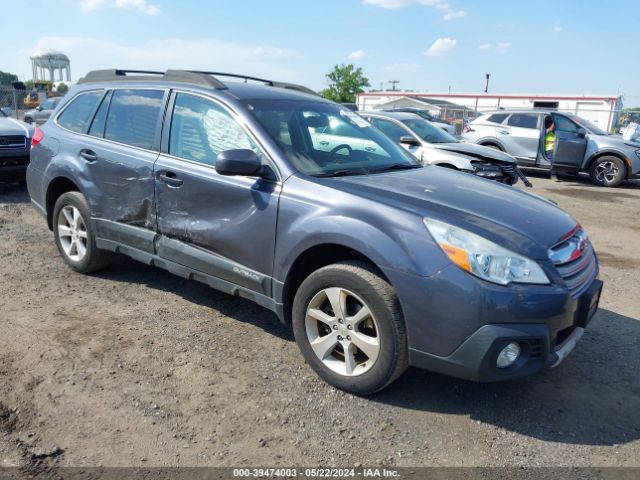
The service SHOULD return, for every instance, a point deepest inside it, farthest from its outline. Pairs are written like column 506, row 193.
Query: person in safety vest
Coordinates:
column 550, row 142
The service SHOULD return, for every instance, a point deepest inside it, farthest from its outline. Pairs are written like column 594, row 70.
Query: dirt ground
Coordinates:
column 134, row 366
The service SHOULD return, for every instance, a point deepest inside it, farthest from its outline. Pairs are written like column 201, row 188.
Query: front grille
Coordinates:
column 509, row 168
column 576, row 262
column 537, row 348
column 12, row 142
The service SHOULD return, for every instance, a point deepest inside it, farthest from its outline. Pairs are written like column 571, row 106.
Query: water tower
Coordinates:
column 49, row 61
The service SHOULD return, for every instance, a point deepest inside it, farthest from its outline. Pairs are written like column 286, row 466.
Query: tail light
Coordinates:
column 38, row 135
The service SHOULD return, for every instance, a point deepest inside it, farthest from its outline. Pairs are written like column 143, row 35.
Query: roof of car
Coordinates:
column 249, row 88
column 524, row 110
column 394, row 115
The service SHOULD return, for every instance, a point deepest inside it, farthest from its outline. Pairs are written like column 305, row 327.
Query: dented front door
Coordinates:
column 223, row 226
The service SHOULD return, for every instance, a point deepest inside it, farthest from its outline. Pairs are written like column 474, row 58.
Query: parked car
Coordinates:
column 15, row 139
column 42, row 112
column 377, row 261
column 438, row 122
column 433, row 146
column 580, row 145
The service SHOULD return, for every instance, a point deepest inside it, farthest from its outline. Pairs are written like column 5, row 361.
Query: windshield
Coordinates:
column 589, row 126
column 326, row 139
column 428, row 132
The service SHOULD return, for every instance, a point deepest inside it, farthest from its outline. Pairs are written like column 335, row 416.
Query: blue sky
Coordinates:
column 581, row 47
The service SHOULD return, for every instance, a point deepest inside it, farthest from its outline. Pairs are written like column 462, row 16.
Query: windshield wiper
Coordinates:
column 339, row 173
column 395, row 166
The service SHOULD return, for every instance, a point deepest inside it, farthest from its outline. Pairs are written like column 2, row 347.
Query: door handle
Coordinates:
column 170, row 179
column 503, row 132
column 89, row 155
column 323, row 142
column 370, row 149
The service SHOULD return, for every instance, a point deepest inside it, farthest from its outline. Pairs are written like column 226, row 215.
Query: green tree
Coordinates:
column 344, row 82
column 62, row 88
column 6, row 78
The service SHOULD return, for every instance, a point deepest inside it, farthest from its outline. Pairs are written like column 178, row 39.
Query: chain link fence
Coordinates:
column 15, row 102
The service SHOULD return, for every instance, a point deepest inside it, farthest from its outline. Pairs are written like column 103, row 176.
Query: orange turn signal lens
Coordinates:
column 457, row 255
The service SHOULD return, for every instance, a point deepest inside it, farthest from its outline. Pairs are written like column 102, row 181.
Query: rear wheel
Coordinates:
column 348, row 325
column 608, row 171
column 74, row 234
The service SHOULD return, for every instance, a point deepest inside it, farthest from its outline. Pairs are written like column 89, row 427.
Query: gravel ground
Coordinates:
column 134, row 366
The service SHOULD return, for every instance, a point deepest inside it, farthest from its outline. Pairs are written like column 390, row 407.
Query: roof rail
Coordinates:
column 198, row 77
column 271, row 83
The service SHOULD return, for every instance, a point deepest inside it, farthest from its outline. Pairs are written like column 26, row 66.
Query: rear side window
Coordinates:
column 77, row 115
column 497, row 117
column 523, row 120
column 133, row 117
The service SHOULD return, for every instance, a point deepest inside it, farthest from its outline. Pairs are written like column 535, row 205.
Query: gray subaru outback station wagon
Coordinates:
column 376, row 261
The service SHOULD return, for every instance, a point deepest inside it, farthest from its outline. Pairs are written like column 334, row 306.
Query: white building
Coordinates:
column 602, row 110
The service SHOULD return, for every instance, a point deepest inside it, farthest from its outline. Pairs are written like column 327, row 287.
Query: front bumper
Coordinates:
column 541, row 347
column 13, row 167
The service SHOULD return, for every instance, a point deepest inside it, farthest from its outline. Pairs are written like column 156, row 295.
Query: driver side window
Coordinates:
column 390, row 129
column 563, row 124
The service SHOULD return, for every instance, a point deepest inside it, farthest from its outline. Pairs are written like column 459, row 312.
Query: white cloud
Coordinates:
column 441, row 5
column 502, row 47
column 88, row 53
column 441, row 46
column 557, row 27
column 356, row 55
column 141, row 5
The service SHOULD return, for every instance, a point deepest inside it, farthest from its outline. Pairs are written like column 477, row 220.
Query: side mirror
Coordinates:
column 581, row 133
column 243, row 162
column 39, row 108
column 409, row 140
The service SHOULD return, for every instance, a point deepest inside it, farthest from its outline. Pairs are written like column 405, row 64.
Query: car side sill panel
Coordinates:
column 190, row 273
column 139, row 238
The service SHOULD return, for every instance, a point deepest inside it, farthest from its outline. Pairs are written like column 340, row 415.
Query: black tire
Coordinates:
column 608, row 171
column 493, row 145
column 94, row 258
column 28, row 120
column 361, row 279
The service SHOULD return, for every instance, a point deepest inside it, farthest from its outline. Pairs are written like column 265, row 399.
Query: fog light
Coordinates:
column 508, row 355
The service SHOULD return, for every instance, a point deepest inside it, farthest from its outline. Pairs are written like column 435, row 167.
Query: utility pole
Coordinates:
column 393, row 84
column 486, row 86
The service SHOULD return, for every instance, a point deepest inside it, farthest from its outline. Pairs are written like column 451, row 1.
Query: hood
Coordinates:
column 515, row 219
column 614, row 141
column 11, row 126
column 477, row 151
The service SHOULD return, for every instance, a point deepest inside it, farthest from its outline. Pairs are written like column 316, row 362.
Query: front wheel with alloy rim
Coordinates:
column 608, row 171
column 74, row 234
column 349, row 327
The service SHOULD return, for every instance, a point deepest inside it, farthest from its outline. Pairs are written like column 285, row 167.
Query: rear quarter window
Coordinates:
column 77, row 115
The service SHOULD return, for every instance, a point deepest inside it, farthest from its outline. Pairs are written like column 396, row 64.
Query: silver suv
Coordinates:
column 580, row 145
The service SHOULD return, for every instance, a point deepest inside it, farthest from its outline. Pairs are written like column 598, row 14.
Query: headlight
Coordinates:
column 483, row 258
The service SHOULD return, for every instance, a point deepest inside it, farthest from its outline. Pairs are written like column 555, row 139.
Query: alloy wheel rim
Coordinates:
column 607, row 172
column 342, row 331
column 72, row 233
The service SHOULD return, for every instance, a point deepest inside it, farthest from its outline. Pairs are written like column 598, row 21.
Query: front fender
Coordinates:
column 311, row 215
